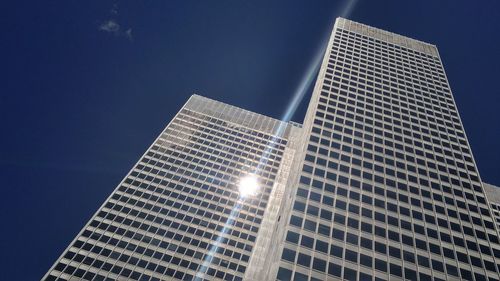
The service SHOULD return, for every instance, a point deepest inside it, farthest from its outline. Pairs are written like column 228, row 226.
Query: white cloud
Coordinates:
column 110, row 26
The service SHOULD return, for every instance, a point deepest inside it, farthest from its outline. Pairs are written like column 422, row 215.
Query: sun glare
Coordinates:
column 248, row 186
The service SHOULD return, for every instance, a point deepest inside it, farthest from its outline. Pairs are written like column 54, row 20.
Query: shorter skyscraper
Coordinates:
column 192, row 206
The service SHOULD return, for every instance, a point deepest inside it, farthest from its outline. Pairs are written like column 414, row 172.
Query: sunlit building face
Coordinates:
column 192, row 207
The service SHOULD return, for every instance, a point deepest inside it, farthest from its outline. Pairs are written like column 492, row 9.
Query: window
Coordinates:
column 288, row 255
column 284, row 274
column 336, row 251
column 319, row 264
column 307, row 241
column 350, row 274
column 292, row 237
column 304, row 260
column 334, row 269
column 365, row 260
column 396, row 270
column 351, row 256
column 380, row 265
column 321, row 246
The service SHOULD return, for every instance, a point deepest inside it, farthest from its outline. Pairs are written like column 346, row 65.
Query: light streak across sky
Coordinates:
column 296, row 100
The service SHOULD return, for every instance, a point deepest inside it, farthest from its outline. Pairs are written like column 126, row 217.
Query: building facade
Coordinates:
column 178, row 213
column 389, row 189
column 379, row 183
column 493, row 194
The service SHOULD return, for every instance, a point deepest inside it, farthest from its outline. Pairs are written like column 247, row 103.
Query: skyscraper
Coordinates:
column 389, row 188
column 188, row 209
column 379, row 183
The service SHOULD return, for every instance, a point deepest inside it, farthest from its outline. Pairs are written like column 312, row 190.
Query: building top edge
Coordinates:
column 387, row 36
column 237, row 115
column 492, row 192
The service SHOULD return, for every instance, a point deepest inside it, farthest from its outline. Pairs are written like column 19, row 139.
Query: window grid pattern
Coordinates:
column 389, row 188
column 161, row 221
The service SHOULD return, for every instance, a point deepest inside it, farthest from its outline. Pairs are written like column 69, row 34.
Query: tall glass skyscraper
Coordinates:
column 389, row 189
column 378, row 184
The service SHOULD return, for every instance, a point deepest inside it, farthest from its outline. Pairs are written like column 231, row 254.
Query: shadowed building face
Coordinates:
column 388, row 186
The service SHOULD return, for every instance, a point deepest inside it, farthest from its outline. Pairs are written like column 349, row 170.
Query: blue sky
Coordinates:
column 87, row 85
